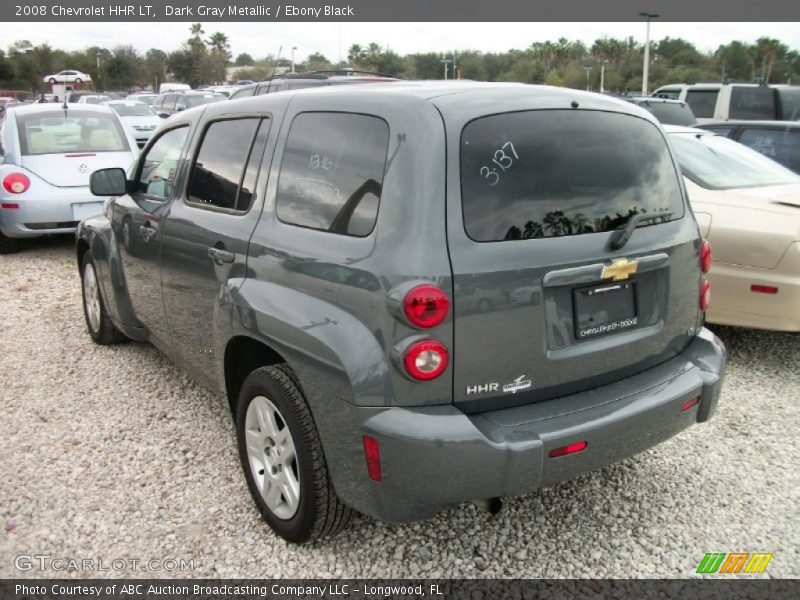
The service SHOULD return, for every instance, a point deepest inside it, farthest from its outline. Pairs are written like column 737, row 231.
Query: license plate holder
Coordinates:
column 604, row 309
column 84, row 210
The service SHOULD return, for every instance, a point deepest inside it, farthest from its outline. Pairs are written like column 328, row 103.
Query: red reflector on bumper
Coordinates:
column 9, row 205
column 764, row 289
column 372, row 452
column 690, row 403
column 568, row 449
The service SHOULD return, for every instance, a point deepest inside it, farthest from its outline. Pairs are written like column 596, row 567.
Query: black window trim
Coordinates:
column 672, row 155
column 143, row 156
column 216, row 119
column 383, row 175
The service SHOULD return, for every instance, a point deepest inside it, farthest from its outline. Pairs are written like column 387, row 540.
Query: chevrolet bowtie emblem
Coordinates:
column 620, row 269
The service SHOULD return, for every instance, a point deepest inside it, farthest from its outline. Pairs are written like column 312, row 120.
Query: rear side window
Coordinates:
column 332, row 172
column 752, row 103
column 551, row 173
column 703, row 102
column 219, row 170
column 672, row 94
column 781, row 145
column 789, row 101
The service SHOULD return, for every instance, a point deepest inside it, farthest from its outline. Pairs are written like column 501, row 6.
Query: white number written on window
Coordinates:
column 502, row 160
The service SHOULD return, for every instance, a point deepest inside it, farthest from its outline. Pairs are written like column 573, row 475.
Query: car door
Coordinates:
column 136, row 221
column 206, row 234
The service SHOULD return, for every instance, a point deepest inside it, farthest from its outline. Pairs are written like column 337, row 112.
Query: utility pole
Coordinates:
column 293, row 49
column 603, row 76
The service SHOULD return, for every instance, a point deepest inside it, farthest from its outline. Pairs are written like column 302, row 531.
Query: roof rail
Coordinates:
column 353, row 72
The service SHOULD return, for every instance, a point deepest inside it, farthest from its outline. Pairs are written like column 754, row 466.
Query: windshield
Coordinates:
column 76, row 131
column 133, row 110
column 551, row 173
column 719, row 163
column 199, row 100
column 144, row 99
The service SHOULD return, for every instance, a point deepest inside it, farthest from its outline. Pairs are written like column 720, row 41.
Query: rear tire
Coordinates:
column 78, row 80
column 271, row 405
column 52, row 80
column 101, row 328
column 8, row 245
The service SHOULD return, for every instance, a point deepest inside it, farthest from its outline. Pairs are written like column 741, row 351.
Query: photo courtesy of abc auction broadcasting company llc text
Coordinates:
column 373, row 299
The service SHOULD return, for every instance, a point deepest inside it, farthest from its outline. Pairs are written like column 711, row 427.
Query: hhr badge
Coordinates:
column 619, row 269
column 520, row 383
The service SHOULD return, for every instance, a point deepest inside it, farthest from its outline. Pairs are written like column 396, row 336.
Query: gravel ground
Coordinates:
column 111, row 452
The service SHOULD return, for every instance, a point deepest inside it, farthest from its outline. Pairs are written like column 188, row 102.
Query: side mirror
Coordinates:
column 163, row 115
column 108, row 182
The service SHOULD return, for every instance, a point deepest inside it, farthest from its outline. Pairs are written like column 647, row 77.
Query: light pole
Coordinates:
column 588, row 70
column 293, row 49
column 603, row 76
column 645, row 71
column 446, row 62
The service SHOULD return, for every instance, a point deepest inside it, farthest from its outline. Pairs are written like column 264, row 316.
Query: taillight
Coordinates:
column 705, row 257
column 568, row 449
column 426, row 306
column 16, row 183
column 372, row 452
column 425, row 359
column 705, row 295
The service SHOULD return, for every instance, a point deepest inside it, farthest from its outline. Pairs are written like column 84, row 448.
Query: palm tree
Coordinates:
column 220, row 50
column 356, row 55
column 553, row 223
column 533, row 229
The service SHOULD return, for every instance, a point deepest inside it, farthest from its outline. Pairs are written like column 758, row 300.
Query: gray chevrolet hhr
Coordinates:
column 413, row 295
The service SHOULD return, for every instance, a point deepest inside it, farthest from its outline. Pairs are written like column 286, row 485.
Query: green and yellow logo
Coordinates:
column 734, row 562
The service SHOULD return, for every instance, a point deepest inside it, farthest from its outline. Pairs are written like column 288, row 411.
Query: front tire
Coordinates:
column 78, row 80
column 101, row 328
column 8, row 245
column 52, row 80
column 283, row 460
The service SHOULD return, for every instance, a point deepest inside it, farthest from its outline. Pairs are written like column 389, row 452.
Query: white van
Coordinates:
column 172, row 87
column 712, row 102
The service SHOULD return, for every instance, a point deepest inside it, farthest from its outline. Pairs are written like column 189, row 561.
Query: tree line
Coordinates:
column 203, row 59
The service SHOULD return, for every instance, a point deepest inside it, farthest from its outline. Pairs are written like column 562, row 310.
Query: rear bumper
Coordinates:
column 46, row 213
column 436, row 457
column 734, row 303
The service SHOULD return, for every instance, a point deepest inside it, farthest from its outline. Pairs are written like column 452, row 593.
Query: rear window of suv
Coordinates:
column 752, row 103
column 550, row 173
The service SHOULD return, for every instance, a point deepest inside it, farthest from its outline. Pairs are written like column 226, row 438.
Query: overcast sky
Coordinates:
column 332, row 39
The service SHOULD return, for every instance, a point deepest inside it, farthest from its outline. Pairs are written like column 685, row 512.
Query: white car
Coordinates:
column 142, row 97
column 67, row 77
column 748, row 208
column 93, row 99
column 47, row 155
column 139, row 118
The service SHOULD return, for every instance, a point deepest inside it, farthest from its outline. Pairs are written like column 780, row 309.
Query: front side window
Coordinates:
column 332, row 172
column 69, row 131
column 550, row 173
column 716, row 162
column 220, row 165
column 160, row 164
column 703, row 102
column 752, row 103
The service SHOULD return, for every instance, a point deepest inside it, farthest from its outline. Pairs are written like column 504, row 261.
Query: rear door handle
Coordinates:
column 220, row 255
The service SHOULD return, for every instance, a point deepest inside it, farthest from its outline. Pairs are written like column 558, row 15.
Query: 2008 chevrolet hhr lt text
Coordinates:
column 413, row 295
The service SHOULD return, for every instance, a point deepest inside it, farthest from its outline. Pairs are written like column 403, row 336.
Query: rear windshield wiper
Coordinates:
column 621, row 236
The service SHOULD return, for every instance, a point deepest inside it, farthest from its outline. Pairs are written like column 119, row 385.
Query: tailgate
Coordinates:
column 543, row 306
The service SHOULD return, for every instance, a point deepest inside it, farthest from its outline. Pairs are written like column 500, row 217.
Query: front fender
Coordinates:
column 96, row 232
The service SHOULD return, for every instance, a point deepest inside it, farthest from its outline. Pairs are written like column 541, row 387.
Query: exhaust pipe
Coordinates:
column 490, row 505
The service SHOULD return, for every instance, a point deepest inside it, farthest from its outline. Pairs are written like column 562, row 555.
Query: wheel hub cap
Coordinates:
column 272, row 457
